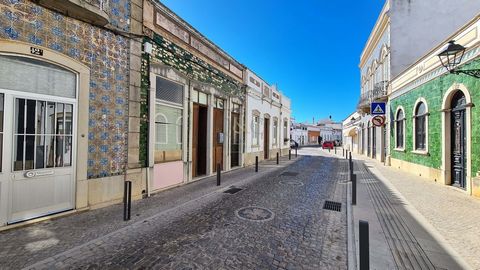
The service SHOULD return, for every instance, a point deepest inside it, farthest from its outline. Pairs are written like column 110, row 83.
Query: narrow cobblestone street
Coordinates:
column 217, row 230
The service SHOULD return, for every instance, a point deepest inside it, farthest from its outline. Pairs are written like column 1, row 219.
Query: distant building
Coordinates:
column 267, row 121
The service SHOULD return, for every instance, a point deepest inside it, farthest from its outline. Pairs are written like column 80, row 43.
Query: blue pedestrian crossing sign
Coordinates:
column 377, row 108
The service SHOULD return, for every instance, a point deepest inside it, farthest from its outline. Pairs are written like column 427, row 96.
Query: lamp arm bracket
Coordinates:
column 471, row 72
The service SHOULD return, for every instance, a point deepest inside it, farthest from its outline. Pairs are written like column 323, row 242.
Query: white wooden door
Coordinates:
column 37, row 138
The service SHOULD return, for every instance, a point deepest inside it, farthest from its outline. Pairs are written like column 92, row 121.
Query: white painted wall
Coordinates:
column 417, row 26
column 266, row 105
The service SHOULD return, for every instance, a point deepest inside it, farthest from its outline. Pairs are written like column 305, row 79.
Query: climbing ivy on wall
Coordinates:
column 144, row 101
column 194, row 67
column 189, row 65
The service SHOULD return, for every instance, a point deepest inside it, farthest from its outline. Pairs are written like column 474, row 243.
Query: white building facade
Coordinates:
column 267, row 120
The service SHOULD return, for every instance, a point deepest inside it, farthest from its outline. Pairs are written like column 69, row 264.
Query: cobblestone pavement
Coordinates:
column 450, row 211
column 203, row 230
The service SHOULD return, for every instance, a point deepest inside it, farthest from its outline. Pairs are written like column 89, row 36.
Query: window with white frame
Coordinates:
column 275, row 131
column 168, row 121
column 255, row 129
column 420, row 122
column 400, row 129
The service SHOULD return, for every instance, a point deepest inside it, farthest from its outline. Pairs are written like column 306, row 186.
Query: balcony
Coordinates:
column 379, row 93
column 91, row 11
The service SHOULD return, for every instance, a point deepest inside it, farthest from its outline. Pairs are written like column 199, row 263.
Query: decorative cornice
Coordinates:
column 376, row 34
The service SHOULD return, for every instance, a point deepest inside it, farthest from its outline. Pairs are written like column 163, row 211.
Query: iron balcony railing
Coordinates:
column 379, row 91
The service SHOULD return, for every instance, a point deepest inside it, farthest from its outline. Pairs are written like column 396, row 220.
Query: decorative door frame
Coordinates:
column 447, row 137
column 23, row 49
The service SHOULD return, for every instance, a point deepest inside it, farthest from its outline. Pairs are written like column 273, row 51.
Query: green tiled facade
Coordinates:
column 433, row 92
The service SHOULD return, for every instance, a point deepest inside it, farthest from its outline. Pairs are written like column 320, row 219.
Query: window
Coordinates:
column 400, row 129
column 420, row 122
column 255, row 129
column 168, row 133
column 285, row 132
column 161, row 129
column 42, row 134
column 199, row 97
column 219, row 103
column 168, row 121
column 275, row 131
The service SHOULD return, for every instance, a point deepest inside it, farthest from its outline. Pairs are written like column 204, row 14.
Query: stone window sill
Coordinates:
column 400, row 150
column 421, row 152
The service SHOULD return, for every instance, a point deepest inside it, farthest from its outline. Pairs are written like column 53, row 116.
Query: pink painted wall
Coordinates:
column 167, row 174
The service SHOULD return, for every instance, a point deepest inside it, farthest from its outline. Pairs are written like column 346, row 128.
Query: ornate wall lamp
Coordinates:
column 452, row 56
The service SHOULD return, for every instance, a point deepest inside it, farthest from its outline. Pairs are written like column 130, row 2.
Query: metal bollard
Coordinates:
column 256, row 164
column 343, row 152
column 278, row 158
column 219, row 174
column 350, row 155
column 127, row 200
column 335, row 150
column 354, row 189
column 296, row 154
column 364, row 252
column 290, row 154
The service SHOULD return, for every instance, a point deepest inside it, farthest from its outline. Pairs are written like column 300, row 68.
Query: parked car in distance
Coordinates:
column 327, row 145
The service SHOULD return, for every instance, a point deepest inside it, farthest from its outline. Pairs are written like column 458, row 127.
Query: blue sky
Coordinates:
column 310, row 48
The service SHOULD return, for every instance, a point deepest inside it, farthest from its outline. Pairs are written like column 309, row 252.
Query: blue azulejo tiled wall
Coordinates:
column 107, row 56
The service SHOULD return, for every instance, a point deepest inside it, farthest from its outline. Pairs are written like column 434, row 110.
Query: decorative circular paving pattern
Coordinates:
column 255, row 213
column 291, row 182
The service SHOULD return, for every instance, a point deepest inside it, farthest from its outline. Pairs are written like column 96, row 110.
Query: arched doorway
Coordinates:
column 456, row 137
column 459, row 140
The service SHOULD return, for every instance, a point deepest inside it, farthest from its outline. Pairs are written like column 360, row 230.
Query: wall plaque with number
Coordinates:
column 36, row 51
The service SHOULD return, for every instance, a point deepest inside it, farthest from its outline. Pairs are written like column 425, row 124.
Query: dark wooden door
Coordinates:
column 196, row 108
column 459, row 140
column 266, row 139
column 235, row 140
column 218, row 138
column 199, row 140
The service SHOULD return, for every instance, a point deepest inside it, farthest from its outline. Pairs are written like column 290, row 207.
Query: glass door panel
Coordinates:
column 43, row 134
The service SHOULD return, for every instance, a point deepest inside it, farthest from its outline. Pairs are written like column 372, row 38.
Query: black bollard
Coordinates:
column 296, row 154
column 363, row 244
column 256, row 164
column 335, row 150
column 343, row 152
column 278, row 158
column 329, row 149
column 354, row 189
column 290, row 154
column 127, row 200
column 219, row 174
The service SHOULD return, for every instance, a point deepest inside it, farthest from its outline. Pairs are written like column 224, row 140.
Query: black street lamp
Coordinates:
column 452, row 56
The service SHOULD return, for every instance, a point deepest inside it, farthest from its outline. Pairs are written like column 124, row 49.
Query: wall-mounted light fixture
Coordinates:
column 452, row 56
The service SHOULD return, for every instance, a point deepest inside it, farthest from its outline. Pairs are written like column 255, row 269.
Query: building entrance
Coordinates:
column 459, row 140
column 199, row 138
column 266, row 139
column 37, row 138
